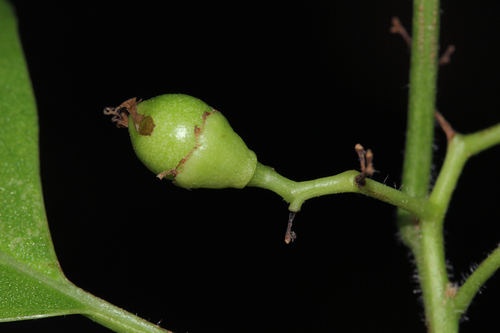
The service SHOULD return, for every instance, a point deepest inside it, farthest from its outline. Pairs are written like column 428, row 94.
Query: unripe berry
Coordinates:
column 179, row 137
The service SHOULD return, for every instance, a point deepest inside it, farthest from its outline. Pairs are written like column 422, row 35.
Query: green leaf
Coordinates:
column 32, row 284
column 28, row 263
column 26, row 296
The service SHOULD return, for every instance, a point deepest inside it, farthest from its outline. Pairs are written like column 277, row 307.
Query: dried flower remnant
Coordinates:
column 290, row 235
column 143, row 125
column 366, row 161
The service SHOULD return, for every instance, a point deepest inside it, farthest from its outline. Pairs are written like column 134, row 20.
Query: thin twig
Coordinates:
column 445, row 126
column 446, row 57
column 397, row 28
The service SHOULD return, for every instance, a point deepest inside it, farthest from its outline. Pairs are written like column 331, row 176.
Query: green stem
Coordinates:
column 433, row 277
column 443, row 315
column 421, row 107
column 456, row 156
column 431, row 257
column 424, row 236
column 111, row 316
column 296, row 193
column 482, row 140
column 474, row 283
column 422, row 97
column 443, row 310
column 460, row 148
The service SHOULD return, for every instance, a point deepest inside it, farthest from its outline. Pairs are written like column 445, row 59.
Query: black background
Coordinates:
column 302, row 83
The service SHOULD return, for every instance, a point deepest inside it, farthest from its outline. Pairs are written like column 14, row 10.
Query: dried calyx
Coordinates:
column 143, row 125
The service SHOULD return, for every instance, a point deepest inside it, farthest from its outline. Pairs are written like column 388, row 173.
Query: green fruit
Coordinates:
column 181, row 138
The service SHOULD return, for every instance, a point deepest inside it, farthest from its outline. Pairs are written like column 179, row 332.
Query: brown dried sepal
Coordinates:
column 143, row 125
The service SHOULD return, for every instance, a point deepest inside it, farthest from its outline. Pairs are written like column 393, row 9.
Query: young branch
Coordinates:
column 460, row 149
column 296, row 193
column 474, row 283
column 482, row 140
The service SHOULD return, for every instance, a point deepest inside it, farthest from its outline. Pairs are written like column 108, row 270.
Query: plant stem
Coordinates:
column 297, row 192
column 421, row 106
column 433, row 277
column 443, row 311
column 431, row 258
column 482, row 140
column 424, row 236
column 456, row 156
column 460, row 148
column 422, row 96
column 470, row 288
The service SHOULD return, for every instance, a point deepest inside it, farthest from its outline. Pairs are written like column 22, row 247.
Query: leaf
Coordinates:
column 26, row 296
column 32, row 284
column 28, row 263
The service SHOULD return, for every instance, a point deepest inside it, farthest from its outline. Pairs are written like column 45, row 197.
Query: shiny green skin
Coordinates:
column 215, row 158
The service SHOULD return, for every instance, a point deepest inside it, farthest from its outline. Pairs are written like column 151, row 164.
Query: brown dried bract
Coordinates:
column 451, row 290
column 143, row 125
column 290, row 235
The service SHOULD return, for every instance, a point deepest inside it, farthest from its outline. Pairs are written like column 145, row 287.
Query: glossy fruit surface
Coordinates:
column 192, row 144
